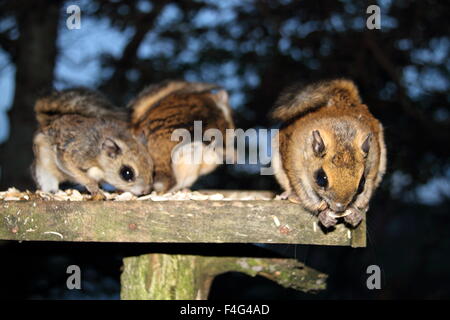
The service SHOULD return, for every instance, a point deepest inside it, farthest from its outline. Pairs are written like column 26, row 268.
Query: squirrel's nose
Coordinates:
column 140, row 190
column 339, row 207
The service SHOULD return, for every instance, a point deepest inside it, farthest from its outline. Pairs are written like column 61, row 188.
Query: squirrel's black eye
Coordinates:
column 127, row 173
column 321, row 178
column 362, row 182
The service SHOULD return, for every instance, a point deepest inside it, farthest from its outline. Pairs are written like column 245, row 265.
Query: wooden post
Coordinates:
column 168, row 277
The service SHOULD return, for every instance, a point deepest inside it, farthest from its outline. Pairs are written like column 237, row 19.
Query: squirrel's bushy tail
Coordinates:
column 79, row 101
column 156, row 92
column 296, row 100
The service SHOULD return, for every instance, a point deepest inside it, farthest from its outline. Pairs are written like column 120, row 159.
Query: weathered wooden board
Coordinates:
column 271, row 221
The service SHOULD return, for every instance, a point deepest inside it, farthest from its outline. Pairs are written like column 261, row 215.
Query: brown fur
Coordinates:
column 72, row 144
column 333, row 109
column 296, row 100
column 178, row 110
column 157, row 92
column 80, row 101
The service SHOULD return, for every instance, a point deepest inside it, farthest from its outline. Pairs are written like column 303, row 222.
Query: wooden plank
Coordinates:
column 270, row 221
column 171, row 221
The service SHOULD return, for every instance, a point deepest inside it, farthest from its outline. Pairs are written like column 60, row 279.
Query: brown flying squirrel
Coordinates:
column 331, row 153
column 162, row 108
column 83, row 139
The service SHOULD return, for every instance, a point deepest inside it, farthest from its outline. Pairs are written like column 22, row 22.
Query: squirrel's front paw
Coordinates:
column 294, row 198
column 98, row 196
column 353, row 216
column 327, row 219
column 285, row 195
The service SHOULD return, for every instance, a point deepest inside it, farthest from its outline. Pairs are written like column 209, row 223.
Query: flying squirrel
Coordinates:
column 330, row 153
column 160, row 109
column 82, row 138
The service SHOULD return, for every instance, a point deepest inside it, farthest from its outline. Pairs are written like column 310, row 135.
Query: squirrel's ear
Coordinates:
column 222, row 96
column 365, row 147
column 111, row 148
column 317, row 144
column 141, row 137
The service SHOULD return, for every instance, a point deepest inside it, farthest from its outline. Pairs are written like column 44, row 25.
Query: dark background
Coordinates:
column 254, row 49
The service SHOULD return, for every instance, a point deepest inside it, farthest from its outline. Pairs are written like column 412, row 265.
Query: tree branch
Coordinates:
column 168, row 277
column 8, row 45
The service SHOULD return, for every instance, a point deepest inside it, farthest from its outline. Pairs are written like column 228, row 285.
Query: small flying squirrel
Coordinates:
column 162, row 108
column 329, row 154
column 82, row 138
